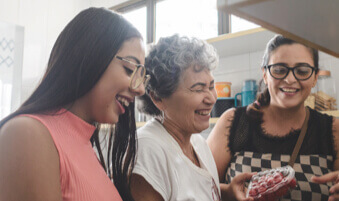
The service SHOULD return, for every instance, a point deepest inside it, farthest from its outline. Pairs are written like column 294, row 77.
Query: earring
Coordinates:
column 162, row 116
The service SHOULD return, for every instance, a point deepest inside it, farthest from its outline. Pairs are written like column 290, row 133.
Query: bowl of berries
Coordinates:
column 270, row 185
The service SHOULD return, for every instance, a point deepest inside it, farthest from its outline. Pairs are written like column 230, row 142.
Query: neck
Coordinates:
column 280, row 121
column 282, row 114
column 183, row 138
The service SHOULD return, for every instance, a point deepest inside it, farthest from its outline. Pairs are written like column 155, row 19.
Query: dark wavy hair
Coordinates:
column 264, row 97
column 80, row 56
column 166, row 62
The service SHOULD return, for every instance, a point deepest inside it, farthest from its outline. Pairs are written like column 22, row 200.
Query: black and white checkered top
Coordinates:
column 254, row 150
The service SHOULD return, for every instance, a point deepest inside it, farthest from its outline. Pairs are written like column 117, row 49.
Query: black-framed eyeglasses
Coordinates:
column 139, row 73
column 280, row 71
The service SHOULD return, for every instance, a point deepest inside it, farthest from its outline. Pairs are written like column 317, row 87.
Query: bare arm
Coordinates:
column 142, row 190
column 29, row 162
column 336, row 143
column 218, row 142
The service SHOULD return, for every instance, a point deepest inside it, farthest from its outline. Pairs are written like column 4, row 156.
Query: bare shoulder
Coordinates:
column 227, row 115
column 26, row 135
column 335, row 125
column 22, row 125
column 224, row 122
column 29, row 161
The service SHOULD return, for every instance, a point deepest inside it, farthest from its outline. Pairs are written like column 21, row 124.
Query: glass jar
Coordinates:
column 325, row 93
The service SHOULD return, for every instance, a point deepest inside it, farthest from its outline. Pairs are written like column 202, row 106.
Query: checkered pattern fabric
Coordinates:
column 305, row 167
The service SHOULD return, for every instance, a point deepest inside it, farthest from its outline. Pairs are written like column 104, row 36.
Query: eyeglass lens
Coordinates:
column 300, row 72
column 138, row 77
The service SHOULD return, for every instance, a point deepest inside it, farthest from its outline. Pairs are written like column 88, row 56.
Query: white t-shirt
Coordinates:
column 161, row 162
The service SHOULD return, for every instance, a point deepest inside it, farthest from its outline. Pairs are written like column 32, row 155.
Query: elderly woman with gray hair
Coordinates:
column 172, row 162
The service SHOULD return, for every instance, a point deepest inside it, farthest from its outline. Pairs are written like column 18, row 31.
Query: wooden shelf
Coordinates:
column 242, row 42
column 312, row 22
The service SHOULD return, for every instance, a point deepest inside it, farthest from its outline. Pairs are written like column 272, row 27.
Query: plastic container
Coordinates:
column 271, row 185
column 223, row 89
column 325, row 93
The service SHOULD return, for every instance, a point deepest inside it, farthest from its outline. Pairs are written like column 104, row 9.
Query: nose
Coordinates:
column 140, row 90
column 211, row 97
column 290, row 78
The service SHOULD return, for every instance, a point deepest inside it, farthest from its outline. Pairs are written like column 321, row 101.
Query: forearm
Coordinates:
column 226, row 195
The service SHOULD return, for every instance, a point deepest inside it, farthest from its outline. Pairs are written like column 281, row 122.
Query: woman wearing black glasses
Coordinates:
column 93, row 75
column 264, row 134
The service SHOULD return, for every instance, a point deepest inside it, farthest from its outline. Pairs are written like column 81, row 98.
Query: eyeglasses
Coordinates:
column 280, row 71
column 139, row 73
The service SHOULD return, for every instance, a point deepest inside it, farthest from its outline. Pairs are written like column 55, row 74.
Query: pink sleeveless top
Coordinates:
column 82, row 177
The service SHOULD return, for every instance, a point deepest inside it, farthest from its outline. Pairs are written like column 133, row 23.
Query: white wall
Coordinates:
column 42, row 20
column 240, row 67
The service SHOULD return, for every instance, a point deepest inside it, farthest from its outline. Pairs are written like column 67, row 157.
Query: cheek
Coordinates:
column 215, row 94
column 308, row 85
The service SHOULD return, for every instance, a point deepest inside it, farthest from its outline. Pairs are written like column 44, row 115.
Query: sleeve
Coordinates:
column 152, row 164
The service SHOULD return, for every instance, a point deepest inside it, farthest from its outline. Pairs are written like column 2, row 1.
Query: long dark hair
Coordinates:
column 80, row 56
column 264, row 97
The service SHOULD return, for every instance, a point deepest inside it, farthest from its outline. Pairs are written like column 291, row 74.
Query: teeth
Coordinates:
column 124, row 101
column 289, row 90
column 203, row 113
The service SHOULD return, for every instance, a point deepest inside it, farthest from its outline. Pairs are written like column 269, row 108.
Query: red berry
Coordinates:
column 270, row 182
column 253, row 192
column 281, row 191
column 293, row 183
column 277, row 178
column 270, row 197
column 262, row 188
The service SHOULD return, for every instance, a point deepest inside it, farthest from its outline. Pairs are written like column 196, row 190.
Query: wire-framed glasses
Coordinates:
column 280, row 71
column 139, row 73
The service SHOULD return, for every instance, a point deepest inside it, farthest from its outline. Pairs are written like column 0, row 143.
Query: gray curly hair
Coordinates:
column 167, row 61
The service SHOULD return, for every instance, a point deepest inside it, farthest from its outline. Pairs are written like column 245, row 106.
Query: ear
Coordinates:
column 315, row 80
column 264, row 75
column 157, row 101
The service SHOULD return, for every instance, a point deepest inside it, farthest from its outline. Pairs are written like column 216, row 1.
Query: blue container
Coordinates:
column 248, row 93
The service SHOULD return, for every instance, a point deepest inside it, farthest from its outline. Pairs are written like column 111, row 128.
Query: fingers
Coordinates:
column 330, row 177
column 334, row 197
column 334, row 189
column 243, row 177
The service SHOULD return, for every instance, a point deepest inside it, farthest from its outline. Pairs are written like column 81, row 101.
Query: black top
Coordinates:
column 247, row 134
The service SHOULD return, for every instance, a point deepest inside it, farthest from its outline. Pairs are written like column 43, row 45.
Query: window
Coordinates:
column 194, row 18
column 239, row 24
column 138, row 18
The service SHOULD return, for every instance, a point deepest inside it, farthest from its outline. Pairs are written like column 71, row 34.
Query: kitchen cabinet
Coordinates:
column 312, row 22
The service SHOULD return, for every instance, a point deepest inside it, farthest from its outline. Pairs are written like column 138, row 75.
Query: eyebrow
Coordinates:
column 134, row 58
column 201, row 84
column 296, row 65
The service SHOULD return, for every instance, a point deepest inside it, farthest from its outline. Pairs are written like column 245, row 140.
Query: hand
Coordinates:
column 236, row 189
column 330, row 177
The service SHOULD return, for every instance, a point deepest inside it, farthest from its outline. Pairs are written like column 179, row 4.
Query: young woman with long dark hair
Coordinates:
column 93, row 75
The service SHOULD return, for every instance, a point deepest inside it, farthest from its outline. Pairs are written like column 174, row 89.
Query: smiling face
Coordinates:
column 290, row 92
column 189, row 107
column 111, row 94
